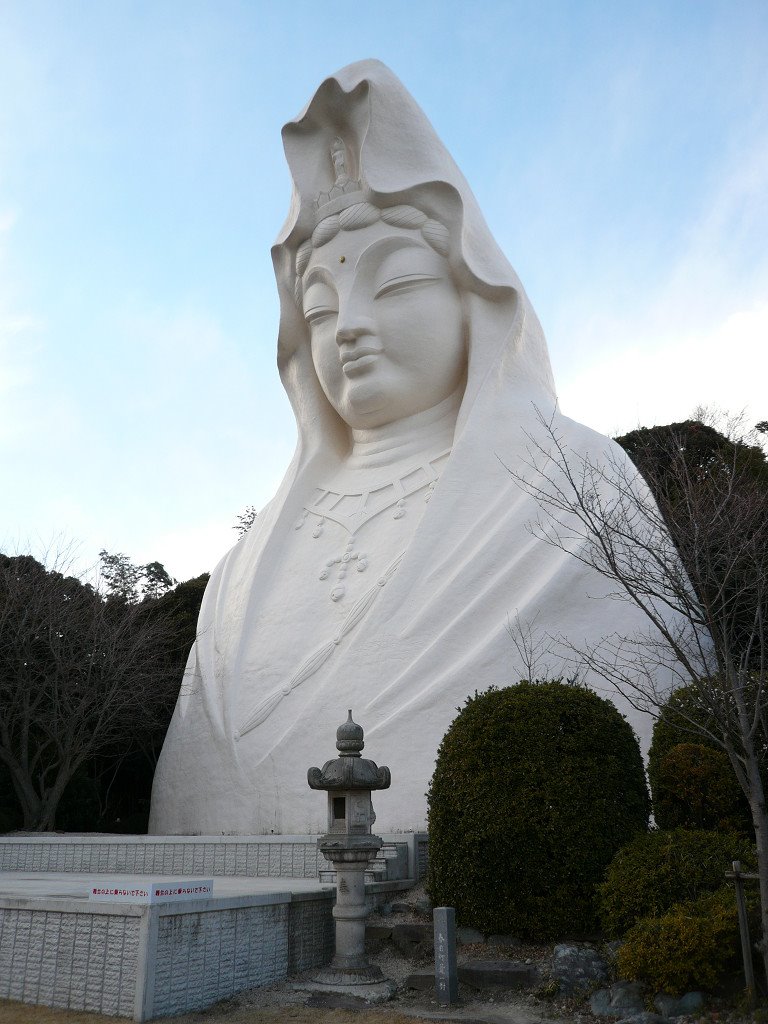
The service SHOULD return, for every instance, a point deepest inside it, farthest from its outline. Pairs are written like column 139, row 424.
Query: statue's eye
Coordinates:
column 319, row 314
column 406, row 282
column 320, row 303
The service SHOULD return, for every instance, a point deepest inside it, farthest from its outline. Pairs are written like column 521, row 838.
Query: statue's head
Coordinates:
column 382, row 306
column 392, row 289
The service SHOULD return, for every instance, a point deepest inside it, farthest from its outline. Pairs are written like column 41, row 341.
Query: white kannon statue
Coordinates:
column 385, row 572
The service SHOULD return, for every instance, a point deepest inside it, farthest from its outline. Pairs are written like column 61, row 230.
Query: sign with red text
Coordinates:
column 132, row 890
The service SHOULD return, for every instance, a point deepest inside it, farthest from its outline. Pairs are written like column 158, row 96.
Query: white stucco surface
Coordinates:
column 385, row 573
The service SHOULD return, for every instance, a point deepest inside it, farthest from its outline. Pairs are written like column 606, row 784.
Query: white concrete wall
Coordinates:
column 255, row 856
column 154, row 961
column 202, row 956
column 252, row 856
column 60, row 957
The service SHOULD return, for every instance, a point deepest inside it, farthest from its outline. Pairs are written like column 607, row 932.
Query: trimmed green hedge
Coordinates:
column 696, row 788
column 694, row 945
column 536, row 787
column 655, row 871
column 692, row 782
column 667, row 733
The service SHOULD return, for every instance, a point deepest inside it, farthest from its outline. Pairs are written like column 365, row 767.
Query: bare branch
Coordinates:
column 687, row 544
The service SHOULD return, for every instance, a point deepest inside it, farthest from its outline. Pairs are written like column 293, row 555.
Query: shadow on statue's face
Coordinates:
column 386, row 325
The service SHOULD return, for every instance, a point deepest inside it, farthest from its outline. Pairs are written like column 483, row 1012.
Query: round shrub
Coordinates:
column 655, row 871
column 694, row 945
column 719, row 803
column 696, row 788
column 668, row 731
column 535, row 788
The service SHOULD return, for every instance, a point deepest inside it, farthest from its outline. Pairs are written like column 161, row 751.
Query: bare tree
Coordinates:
column 690, row 550
column 245, row 521
column 78, row 673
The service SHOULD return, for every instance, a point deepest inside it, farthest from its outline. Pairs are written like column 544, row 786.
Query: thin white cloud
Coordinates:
column 700, row 338
column 726, row 366
column 190, row 550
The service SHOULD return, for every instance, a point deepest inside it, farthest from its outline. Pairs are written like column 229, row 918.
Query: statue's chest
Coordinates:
column 325, row 581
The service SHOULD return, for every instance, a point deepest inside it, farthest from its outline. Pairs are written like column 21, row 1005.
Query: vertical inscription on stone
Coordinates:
column 446, row 979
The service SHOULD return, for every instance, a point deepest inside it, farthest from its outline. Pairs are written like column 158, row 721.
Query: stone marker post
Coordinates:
column 446, row 976
column 349, row 845
column 738, row 877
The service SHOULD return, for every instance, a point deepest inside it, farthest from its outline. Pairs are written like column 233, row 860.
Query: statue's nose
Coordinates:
column 350, row 329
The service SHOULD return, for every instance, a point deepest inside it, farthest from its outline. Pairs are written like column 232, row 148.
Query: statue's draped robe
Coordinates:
column 438, row 629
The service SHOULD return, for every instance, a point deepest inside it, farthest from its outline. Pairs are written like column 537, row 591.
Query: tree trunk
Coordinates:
column 760, row 824
column 39, row 809
column 29, row 801
column 52, row 797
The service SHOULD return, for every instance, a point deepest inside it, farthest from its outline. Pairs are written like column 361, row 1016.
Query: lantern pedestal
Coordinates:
column 350, row 964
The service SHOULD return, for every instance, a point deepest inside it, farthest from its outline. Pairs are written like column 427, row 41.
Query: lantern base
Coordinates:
column 367, row 974
column 368, row 984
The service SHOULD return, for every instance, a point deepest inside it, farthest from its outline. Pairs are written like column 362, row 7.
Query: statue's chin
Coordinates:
column 371, row 401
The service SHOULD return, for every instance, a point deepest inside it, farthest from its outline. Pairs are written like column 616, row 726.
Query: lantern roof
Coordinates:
column 350, row 770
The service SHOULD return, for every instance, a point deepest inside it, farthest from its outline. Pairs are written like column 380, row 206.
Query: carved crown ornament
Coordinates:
column 345, row 191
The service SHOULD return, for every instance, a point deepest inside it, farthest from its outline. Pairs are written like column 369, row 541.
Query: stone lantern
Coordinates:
column 349, row 845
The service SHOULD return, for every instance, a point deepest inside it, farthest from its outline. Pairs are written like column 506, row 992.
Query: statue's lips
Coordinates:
column 357, row 361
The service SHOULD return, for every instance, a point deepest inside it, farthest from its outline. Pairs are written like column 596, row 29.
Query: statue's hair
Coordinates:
column 361, row 215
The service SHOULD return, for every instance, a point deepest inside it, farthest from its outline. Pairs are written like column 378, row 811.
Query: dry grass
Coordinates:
column 24, row 1013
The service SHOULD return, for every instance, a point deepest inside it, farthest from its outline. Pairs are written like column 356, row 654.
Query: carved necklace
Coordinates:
column 361, row 507
column 352, row 510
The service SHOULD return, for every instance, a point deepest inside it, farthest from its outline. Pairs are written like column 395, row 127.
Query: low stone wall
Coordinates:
column 251, row 856
column 163, row 959
column 158, row 960
column 311, row 932
column 55, row 955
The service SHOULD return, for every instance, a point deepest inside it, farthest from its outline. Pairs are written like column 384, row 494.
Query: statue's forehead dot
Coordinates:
column 342, row 259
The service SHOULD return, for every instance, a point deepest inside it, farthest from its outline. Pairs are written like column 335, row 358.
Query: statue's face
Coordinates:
column 386, row 325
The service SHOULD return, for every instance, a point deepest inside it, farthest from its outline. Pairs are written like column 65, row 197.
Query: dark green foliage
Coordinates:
column 157, row 580
column 10, row 812
column 681, row 721
column 536, row 787
column 87, row 690
column 713, row 493
column 182, row 606
column 124, row 581
column 692, row 788
column 693, row 946
column 655, row 871
column 696, row 788
column 653, row 450
column 125, row 788
column 79, row 809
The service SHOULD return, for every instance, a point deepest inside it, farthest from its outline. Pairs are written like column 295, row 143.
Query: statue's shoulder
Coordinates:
column 233, row 564
column 590, row 444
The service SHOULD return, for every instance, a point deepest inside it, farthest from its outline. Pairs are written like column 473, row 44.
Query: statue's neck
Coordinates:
column 423, row 435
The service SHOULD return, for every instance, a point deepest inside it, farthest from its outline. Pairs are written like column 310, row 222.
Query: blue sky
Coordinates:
column 618, row 150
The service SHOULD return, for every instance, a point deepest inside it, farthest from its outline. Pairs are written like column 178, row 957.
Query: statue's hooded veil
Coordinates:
column 440, row 629
column 394, row 150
